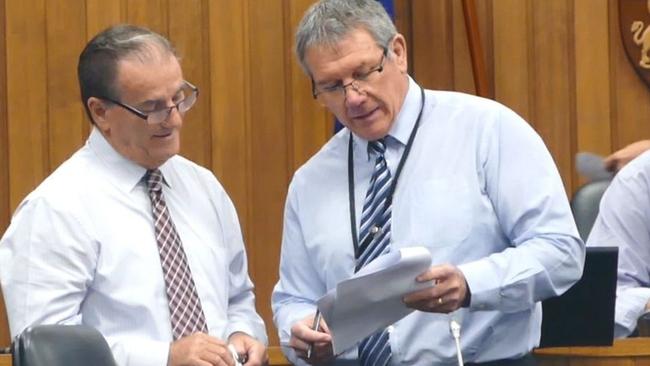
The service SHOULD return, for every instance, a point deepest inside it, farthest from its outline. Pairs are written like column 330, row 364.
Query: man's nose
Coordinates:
column 354, row 95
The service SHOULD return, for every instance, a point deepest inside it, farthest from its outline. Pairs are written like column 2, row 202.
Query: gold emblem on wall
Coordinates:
column 634, row 16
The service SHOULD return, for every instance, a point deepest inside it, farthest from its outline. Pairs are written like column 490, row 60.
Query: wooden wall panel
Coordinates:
column 558, row 63
column 552, row 95
column 592, row 101
column 432, row 50
column 311, row 124
column 4, row 138
column 268, row 140
column 511, row 27
column 592, row 84
column 149, row 13
column 188, row 32
column 101, row 14
column 26, row 97
column 463, row 76
column 228, row 46
column 4, row 163
column 67, row 125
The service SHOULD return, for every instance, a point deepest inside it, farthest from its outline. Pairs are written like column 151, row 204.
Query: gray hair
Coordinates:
column 97, row 68
column 326, row 22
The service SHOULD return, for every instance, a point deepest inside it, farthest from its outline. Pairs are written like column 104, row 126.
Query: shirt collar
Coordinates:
column 124, row 173
column 404, row 123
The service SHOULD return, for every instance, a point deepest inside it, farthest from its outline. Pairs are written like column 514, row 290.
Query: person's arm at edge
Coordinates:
column 623, row 221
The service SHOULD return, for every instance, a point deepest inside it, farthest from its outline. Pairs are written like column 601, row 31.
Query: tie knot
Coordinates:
column 154, row 180
column 378, row 146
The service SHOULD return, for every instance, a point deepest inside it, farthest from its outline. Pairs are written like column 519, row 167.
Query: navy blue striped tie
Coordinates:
column 374, row 236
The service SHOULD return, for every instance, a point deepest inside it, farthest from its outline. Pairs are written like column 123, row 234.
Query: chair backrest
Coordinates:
column 585, row 203
column 584, row 314
column 61, row 345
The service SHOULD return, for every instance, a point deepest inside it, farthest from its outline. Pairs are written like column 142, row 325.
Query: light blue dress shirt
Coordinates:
column 479, row 190
column 81, row 248
column 624, row 221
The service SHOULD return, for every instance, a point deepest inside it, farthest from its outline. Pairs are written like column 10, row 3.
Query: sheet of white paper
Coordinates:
column 591, row 166
column 372, row 298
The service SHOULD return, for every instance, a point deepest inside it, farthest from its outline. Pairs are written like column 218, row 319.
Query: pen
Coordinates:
column 314, row 327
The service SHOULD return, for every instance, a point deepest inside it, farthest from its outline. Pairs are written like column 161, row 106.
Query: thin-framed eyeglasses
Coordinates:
column 359, row 82
column 186, row 99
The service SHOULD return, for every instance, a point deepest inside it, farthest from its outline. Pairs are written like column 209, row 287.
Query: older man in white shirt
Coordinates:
column 128, row 237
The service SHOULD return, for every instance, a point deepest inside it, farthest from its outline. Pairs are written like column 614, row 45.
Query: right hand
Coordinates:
column 620, row 158
column 199, row 349
column 302, row 335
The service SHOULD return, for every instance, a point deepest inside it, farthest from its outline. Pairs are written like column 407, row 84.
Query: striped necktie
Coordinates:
column 374, row 236
column 184, row 304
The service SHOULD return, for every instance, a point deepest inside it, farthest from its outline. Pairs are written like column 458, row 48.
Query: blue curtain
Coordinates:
column 390, row 9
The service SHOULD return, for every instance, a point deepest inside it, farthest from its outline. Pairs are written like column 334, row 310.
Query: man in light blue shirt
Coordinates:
column 472, row 182
column 624, row 221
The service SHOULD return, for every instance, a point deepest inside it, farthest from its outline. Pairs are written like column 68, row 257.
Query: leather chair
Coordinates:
column 585, row 204
column 61, row 345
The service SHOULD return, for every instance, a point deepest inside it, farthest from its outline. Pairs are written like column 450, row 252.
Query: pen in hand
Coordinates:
column 314, row 327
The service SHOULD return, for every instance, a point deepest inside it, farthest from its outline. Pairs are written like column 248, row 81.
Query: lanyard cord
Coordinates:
column 389, row 198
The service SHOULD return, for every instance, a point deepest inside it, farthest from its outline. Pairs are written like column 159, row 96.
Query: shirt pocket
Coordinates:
column 437, row 212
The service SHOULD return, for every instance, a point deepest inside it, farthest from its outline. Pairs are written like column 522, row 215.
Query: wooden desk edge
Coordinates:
column 276, row 358
column 629, row 347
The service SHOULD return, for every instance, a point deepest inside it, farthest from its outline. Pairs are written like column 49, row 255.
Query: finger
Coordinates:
column 309, row 335
column 298, row 344
column 431, row 274
column 423, row 295
column 212, row 340
column 217, row 355
column 437, row 273
column 324, row 328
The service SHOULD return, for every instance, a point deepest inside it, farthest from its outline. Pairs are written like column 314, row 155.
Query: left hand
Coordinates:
column 254, row 350
column 448, row 293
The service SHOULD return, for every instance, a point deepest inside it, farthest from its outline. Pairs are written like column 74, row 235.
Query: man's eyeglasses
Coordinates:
column 186, row 99
column 359, row 83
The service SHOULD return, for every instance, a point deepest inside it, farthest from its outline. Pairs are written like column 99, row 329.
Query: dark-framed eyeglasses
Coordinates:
column 187, row 97
column 359, row 83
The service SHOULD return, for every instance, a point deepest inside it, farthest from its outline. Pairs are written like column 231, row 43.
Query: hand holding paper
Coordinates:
column 449, row 294
column 372, row 298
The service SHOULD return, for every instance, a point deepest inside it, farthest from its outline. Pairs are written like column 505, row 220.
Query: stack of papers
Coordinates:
column 372, row 298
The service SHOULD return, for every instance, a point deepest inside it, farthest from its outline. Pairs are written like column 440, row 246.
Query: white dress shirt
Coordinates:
column 81, row 249
column 479, row 190
column 624, row 221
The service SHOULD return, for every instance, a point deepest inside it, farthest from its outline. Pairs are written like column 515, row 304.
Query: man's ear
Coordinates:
column 98, row 111
column 398, row 48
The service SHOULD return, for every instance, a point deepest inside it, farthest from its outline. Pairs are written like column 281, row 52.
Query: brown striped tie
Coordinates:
column 184, row 304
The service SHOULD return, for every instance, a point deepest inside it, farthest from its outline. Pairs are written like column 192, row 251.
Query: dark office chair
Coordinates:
column 585, row 203
column 61, row 345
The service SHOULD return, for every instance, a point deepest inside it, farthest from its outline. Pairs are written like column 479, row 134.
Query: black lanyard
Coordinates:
column 389, row 198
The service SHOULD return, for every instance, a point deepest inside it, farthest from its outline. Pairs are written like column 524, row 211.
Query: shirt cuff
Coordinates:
column 243, row 327
column 630, row 305
column 480, row 283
